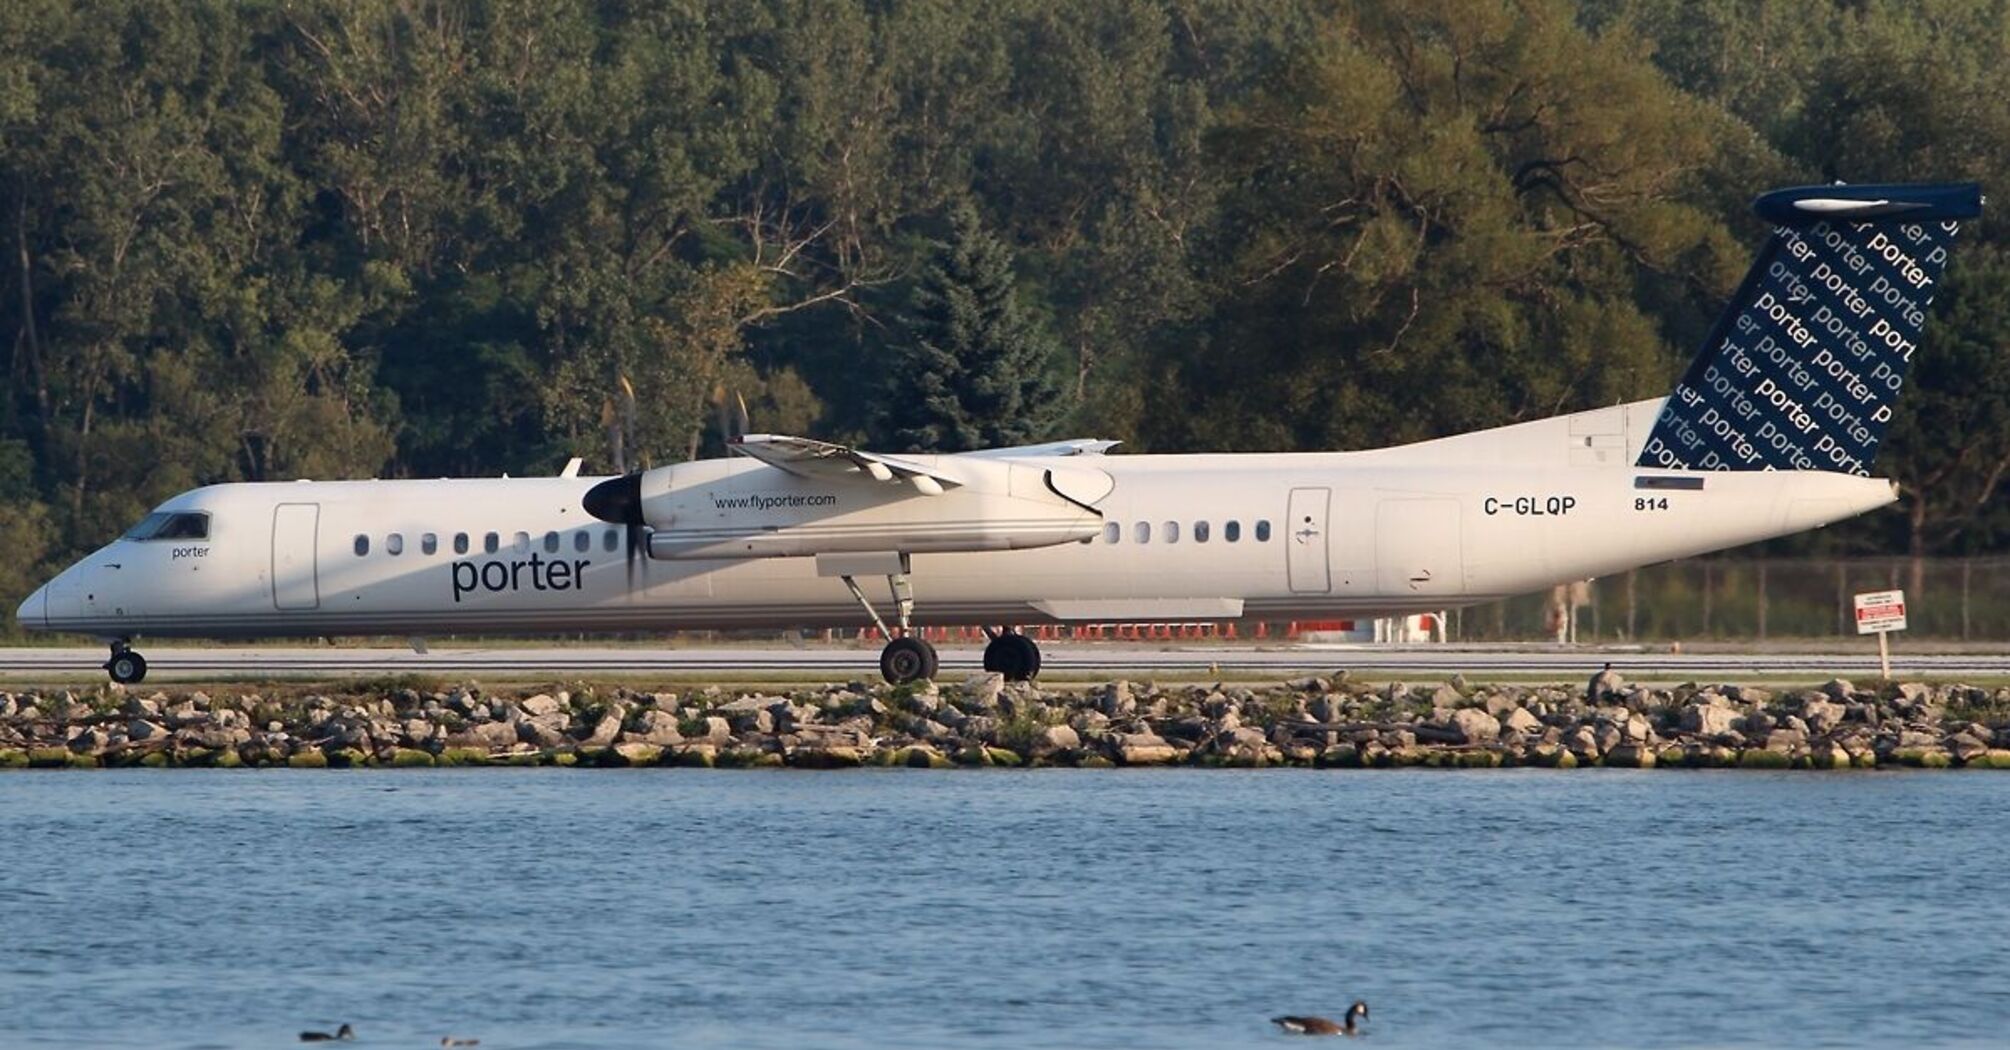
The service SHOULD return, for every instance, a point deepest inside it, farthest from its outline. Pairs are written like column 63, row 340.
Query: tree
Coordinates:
column 1440, row 216
column 974, row 369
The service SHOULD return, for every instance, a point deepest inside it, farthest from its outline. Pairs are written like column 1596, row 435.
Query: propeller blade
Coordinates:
column 618, row 501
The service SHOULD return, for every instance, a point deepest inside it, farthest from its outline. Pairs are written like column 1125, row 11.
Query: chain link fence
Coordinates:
column 1953, row 599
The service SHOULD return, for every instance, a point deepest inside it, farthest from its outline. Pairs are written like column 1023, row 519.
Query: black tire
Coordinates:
column 907, row 660
column 127, row 668
column 1013, row 655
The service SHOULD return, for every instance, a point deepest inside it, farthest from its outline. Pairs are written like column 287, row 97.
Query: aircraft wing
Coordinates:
column 809, row 458
column 1070, row 447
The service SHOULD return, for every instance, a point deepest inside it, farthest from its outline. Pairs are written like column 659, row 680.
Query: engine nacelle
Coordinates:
column 737, row 508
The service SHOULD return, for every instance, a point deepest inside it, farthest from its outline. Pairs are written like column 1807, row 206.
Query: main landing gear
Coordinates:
column 126, row 666
column 905, row 658
column 908, row 658
column 1012, row 654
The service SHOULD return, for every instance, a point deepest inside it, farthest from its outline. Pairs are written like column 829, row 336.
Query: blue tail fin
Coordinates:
column 1802, row 369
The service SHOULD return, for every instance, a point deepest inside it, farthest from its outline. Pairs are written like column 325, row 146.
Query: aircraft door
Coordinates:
column 1305, row 541
column 1418, row 549
column 295, row 532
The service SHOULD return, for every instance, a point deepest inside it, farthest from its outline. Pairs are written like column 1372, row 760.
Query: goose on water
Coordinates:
column 1324, row 1026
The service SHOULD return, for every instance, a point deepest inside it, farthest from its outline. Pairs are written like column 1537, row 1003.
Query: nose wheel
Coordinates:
column 1013, row 655
column 126, row 666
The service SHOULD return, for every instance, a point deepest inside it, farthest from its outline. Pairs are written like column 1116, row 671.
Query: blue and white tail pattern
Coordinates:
column 1802, row 369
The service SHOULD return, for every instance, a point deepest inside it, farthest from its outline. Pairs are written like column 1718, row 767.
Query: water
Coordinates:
column 1055, row 908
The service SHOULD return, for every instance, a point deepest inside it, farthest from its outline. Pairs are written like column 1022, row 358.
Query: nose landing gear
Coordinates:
column 126, row 666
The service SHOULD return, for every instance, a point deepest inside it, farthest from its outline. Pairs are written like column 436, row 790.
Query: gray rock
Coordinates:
column 658, row 727
column 1838, row 689
column 1056, row 738
column 1821, row 716
column 1245, row 740
column 1143, row 749
column 1751, row 694
column 140, row 707
column 494, row 735
column 718, row 730
column 981, row 691
column 1786, row 740
column 1964, row 747
column 539, row 706
column 758, row 720
column 142, row 729
column 607, row 730
column 1518, row 720
column 1912, row 738
column 539, row 732
column 1606, row 683
column 1116, row 700
column 1473, row 725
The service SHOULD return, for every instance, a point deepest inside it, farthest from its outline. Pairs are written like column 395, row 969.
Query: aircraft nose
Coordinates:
column 34, row 611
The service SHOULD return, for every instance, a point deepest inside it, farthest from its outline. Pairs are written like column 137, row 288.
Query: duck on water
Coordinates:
column 1309, row 1025
column 343, row 1033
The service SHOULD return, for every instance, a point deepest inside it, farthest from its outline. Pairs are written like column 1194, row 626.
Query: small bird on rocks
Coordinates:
column 1603, row 684
column 343, row 1033
column 1325, row 1026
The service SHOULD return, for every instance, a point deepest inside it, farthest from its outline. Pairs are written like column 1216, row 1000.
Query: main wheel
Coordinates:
column 1013, row 655
column 127, row 667
column 907, row 659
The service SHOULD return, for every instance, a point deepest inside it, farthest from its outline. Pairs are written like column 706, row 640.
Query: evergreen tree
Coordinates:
column 974, row 369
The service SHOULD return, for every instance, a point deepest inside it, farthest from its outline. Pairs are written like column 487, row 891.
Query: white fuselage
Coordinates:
column 1427, row 526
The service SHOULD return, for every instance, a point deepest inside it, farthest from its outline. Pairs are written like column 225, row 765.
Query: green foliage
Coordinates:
column 973, row 370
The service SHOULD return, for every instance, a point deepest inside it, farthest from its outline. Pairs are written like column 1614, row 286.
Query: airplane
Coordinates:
column 1771, row 430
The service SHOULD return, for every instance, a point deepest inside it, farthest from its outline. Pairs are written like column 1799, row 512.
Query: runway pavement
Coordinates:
column 1061, row 658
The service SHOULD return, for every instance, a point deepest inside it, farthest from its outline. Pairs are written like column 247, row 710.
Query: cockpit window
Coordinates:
column 170, row 525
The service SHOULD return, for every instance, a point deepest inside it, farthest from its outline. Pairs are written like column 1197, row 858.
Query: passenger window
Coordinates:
column 1231, row 531
column 611, row 542
column 1200, row 532
column 1112, row 532
column 394, row 544
column 521, row 542
column 429, row 544
column 1172, row 532
column 362, row 545
column 491, row 543
column 1263, row 532
column 1144, row 531
column 582, row 541
column 551, row 543
column 460, row 543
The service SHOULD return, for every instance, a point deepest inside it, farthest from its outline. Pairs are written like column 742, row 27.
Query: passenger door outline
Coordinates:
column 1305, row 541
column 296, row 542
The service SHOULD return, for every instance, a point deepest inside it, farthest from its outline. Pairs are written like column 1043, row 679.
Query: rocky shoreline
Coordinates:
column 1315, row 721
